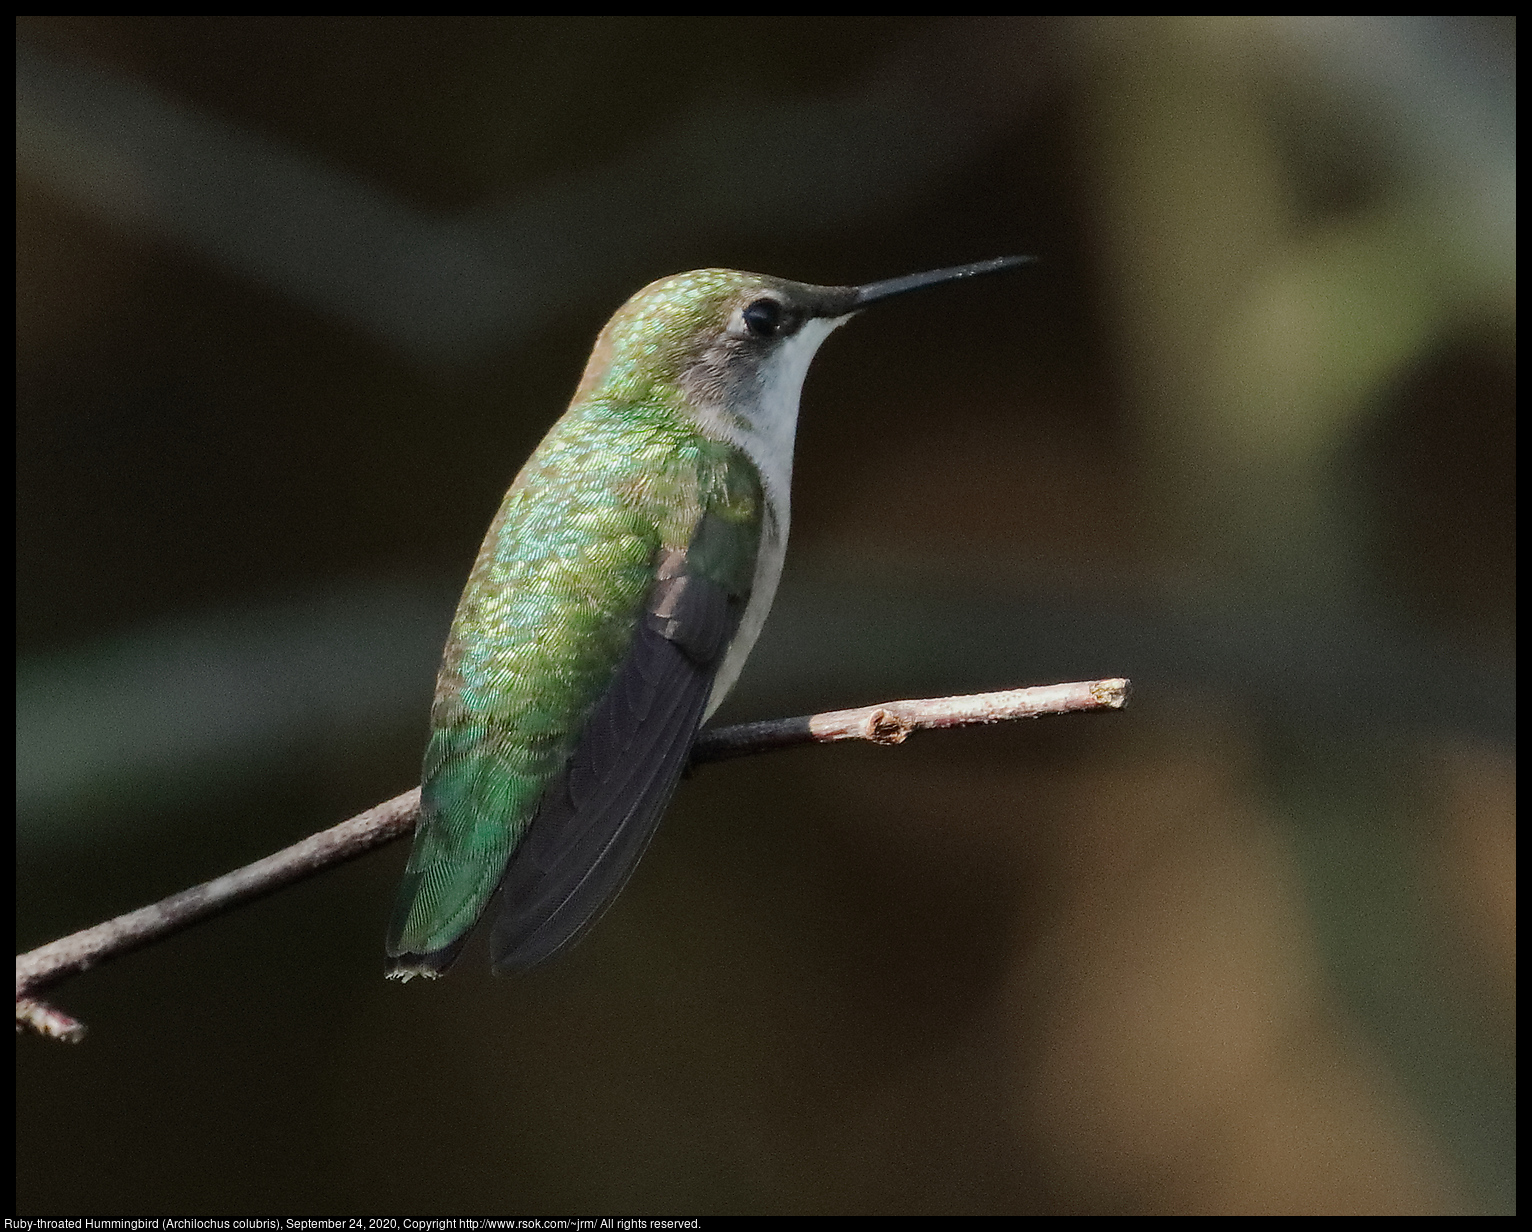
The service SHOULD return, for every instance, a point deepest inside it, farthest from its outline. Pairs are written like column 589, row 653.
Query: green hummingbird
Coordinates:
column 618, row 592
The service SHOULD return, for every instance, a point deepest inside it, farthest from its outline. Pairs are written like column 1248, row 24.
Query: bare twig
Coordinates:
column 56, row 961
column 45, row 1020
column 892, row 722
column 889, row 723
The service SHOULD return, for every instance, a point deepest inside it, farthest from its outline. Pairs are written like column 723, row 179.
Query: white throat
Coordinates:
column 766, row 430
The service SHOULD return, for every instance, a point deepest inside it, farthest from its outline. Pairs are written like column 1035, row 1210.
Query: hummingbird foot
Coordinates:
column 405, row 974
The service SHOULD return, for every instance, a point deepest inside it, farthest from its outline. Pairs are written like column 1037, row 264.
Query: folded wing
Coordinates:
column 598, row 816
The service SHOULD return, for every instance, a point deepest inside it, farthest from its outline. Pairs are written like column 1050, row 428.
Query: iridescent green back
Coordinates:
column 546, row 617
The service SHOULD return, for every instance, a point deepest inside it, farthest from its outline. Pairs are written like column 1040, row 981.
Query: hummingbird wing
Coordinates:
column 597, row 817
column 565, row 710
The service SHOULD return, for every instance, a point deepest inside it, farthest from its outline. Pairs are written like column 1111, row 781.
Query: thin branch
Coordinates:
column 892, row 722
column 56, row 961
column 889, row 723
column 45, row 1020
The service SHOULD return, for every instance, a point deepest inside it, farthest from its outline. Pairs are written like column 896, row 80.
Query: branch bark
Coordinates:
column 888, row 723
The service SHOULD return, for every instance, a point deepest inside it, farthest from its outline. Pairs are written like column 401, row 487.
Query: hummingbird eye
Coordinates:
column 763, row 317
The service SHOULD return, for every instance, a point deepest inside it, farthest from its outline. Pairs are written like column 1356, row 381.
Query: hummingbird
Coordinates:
column 618, row 592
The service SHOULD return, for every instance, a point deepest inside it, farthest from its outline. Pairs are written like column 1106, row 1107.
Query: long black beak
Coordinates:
column 872, row 292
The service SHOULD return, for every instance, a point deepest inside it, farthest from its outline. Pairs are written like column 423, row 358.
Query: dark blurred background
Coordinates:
column 296, row 296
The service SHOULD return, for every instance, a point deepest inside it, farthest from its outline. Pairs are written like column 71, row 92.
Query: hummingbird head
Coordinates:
column 734, row 349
